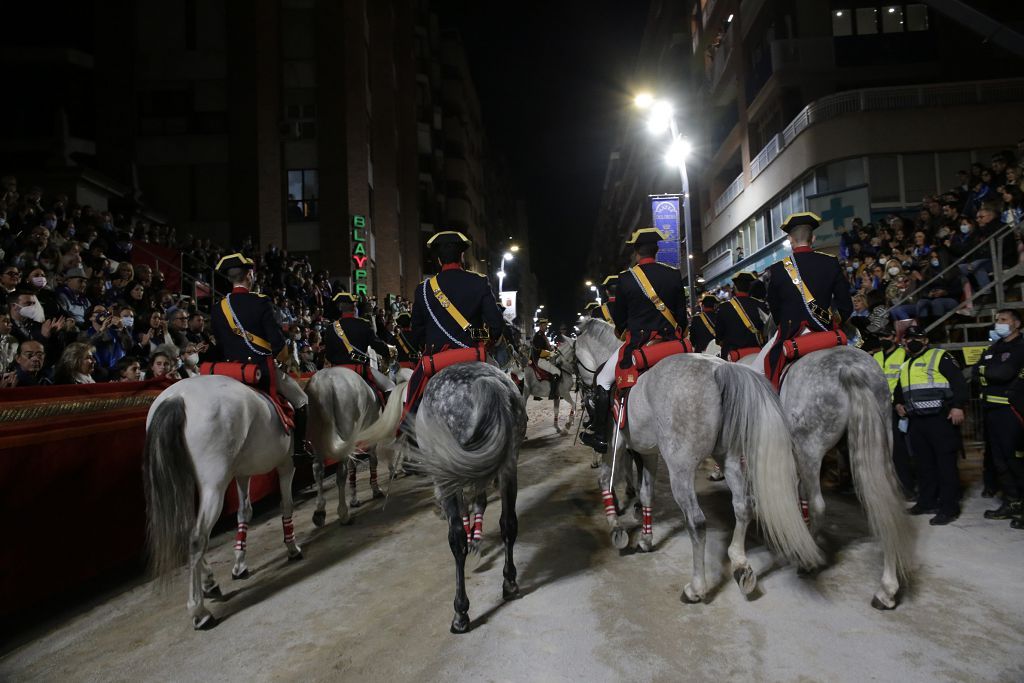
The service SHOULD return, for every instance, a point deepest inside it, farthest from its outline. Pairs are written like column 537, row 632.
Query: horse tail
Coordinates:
column 869, row 436
column 169, row 479
column 384, row 427
column 754, row 426
column 490, row 448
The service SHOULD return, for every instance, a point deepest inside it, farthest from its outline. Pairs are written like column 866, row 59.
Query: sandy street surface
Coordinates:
column 372, row 601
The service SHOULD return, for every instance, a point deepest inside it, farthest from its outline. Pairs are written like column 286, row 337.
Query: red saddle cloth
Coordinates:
column 432, row 364
column 542, row 375
column 645, row 358
column 261, row 378
column 798, row 347
column 737, row 354
column 408, row 364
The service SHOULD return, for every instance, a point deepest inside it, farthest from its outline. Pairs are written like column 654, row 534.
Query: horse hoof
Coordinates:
column 296, row 557
column 319, row 517
column 745, row 579
column 620, row 539
column 244, row 574
column 510, row 590
column 882, row 605
column 204, row 623
column 213, row 593
column 645, row 544
column 377, row 494
column 474, row 547
column 689, row 596
column 594, row 465
column 354, row 503
column 460, row 624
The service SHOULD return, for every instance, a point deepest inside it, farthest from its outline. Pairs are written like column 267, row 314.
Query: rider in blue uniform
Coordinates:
column 247, row 332
column 702, row 324
column 348, row 339
column 740, row 321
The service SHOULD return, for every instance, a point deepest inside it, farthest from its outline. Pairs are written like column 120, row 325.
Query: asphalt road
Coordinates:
column 372, row 601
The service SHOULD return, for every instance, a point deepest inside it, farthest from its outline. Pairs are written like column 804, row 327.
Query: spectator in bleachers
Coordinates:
column 106, row 334
column 8, row 342
column 163, row 363
column 29, row 367
column 128, row 369
column 71, row 295
column 76, row 365
column 189, row 361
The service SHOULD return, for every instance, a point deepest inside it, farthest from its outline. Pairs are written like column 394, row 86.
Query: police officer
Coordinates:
column 246, row 332
column 802, row 290
column 702, row 324
column 1000, row 374
column 931, row 394
column 740, row 321
column 890, row 357
column 347, row 339
column 649, row 304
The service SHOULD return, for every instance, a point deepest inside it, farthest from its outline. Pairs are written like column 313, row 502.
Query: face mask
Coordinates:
column 856, row 264
column 894, row 271
column 38, row 282
column 192, row 359
column 888, row 345
column 3, row 222
column 965, row 228
column 71, row 232
column 849, row 269
column 935, row 264
column 1001, row 330
column 128, row 321
column 915, row 346
column 33, row 312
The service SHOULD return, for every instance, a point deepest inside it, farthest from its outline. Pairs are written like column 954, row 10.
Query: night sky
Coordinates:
column 552, row 79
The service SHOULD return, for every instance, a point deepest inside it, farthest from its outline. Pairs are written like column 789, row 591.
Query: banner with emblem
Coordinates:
column 665, row 212
column 836, row 209
column 508, row 302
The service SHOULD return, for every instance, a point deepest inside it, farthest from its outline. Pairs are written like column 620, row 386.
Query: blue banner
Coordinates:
column 665, row 211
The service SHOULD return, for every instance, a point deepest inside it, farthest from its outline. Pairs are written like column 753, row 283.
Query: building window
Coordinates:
column 917, row 17
column 842, row 22
column 303, row 195
column 892, row 19
column 884, row 176
column 918, row 176
column 301, row 120
column 867, row 21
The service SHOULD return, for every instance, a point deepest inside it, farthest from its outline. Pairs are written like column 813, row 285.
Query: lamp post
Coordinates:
column 597, row 294
column 663, row 119
column 507, row 256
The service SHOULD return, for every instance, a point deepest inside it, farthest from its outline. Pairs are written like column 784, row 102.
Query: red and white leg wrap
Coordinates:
column 465, row 525
column 805, row 510
column 648, row 521
column 478, row 526
column 609, row 503
column 289, row 529
column 243, row 531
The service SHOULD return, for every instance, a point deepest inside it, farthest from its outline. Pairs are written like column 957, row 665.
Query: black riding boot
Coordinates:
column 300, row 453
column 598, row 438
column 553, row 394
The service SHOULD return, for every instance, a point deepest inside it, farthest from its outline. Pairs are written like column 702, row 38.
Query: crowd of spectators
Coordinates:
column 78, row 310
column 899, row 269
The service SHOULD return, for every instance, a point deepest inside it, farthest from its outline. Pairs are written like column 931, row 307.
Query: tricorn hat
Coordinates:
column 344, row 296
column 232, row 261
column 610, row 281
column 803, row 218
column 743, row 278
column 590, row 305
column 646, row 236
column 542, row 321
column 708, row 300
column 448, row 237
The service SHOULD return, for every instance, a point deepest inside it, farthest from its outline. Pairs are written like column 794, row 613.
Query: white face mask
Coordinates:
column 894, row 271
column 1001, row 330
column 127, row 321
column 34, row 311
column 191, row 359
column 39, row 282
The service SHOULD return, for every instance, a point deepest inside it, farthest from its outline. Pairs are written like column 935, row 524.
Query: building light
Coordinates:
column 839, row 13
column 729, row 20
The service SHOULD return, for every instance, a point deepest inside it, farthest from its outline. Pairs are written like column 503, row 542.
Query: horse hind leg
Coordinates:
column 686, row 497
column 650, row 470
column 240, row 570
column 209, row 509
column 353, row 495
column 374, row 483
column 475, row 526
column 320, row 513
column 509, row 531
column 742, row 572
column 284, row 474
column 458, row 543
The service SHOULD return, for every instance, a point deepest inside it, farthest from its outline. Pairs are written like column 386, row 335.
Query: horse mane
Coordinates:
column 602, row 331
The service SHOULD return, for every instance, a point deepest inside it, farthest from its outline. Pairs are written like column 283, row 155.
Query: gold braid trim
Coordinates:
column 37, row 410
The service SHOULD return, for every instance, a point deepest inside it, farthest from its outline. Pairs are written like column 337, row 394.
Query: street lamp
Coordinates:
column 597, row 294
column 507, row 256
column 662, row 118
column 589, row 283
column 514, row 248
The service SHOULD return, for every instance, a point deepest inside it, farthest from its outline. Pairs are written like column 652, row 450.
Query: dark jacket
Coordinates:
column 540, row 343
column 700, row 334
column 826, row 282
column 732, row 332
column 255, row 314
column 633, row 311
column 1000, row 368
column 360, row 335
column 434, row 328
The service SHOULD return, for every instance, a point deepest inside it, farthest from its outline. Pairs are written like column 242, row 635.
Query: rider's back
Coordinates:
column 255, row 314
column 824, row 278
column 434, row 327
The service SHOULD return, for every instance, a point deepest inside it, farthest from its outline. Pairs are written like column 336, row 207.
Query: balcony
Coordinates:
column 731, row 193
column 722, row 61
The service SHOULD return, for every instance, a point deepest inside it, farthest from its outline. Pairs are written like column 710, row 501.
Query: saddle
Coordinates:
column 798, row 347
column 737, row 354
column 261, row 379
column 430, row 365
column 641, row 360
column 541, row 374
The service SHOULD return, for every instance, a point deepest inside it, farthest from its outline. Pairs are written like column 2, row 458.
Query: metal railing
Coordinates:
column 188, row 274
column 730, row 193
column 765, row 156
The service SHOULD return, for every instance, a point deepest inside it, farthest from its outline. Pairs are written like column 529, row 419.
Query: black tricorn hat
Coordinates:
column 344, row 296
column 743, row 278
column 804, row 218
column 646, row 236
column 708, row 300
column 448, row 237
column 233, row 261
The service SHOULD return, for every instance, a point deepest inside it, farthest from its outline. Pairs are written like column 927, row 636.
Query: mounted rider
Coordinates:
column 740, row 321
column 349, row 337
column 701, row 331
column 453, row 311
column 541, row 349
column 649, row 305
column 246, row 332
column 807, row 292
column 408, row 356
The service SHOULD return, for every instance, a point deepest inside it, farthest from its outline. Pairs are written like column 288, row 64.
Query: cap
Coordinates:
column 743, row 278
column 804, row 218
column 448, row 237
column 915, row 331
column 77, row 271
column 610, row 281
column 232, row 261
column 344, row 296
column 647, row 236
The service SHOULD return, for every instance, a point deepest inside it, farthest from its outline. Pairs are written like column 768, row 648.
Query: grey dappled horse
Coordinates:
column 468, row 430
column 689, row 407
column 841, row 392
column 343, row 413
column 201, row 433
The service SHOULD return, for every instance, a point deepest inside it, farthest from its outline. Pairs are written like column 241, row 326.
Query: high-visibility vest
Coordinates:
column 891, row 366
column 924, row 387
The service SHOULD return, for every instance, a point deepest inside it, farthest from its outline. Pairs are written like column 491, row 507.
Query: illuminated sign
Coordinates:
column 359, row 255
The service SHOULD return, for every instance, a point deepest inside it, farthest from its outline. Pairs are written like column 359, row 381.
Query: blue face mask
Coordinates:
column 935, row 264
column 999, row 331
column 965, row 228
column 50, row 223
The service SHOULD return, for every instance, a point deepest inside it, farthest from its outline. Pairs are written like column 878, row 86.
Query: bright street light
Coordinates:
column 507, row 256
column 643, row 100
column 677, row 152
column 589, row 283
column 661, row 117
column 514, row 248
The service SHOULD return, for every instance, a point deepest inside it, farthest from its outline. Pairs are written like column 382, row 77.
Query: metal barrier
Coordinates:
column 731, row 193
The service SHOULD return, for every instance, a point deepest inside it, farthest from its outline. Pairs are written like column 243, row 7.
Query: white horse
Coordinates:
column 688, row 408
column 536, row 388
column 200, row 434
column 840, row 392
column 343, row 412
